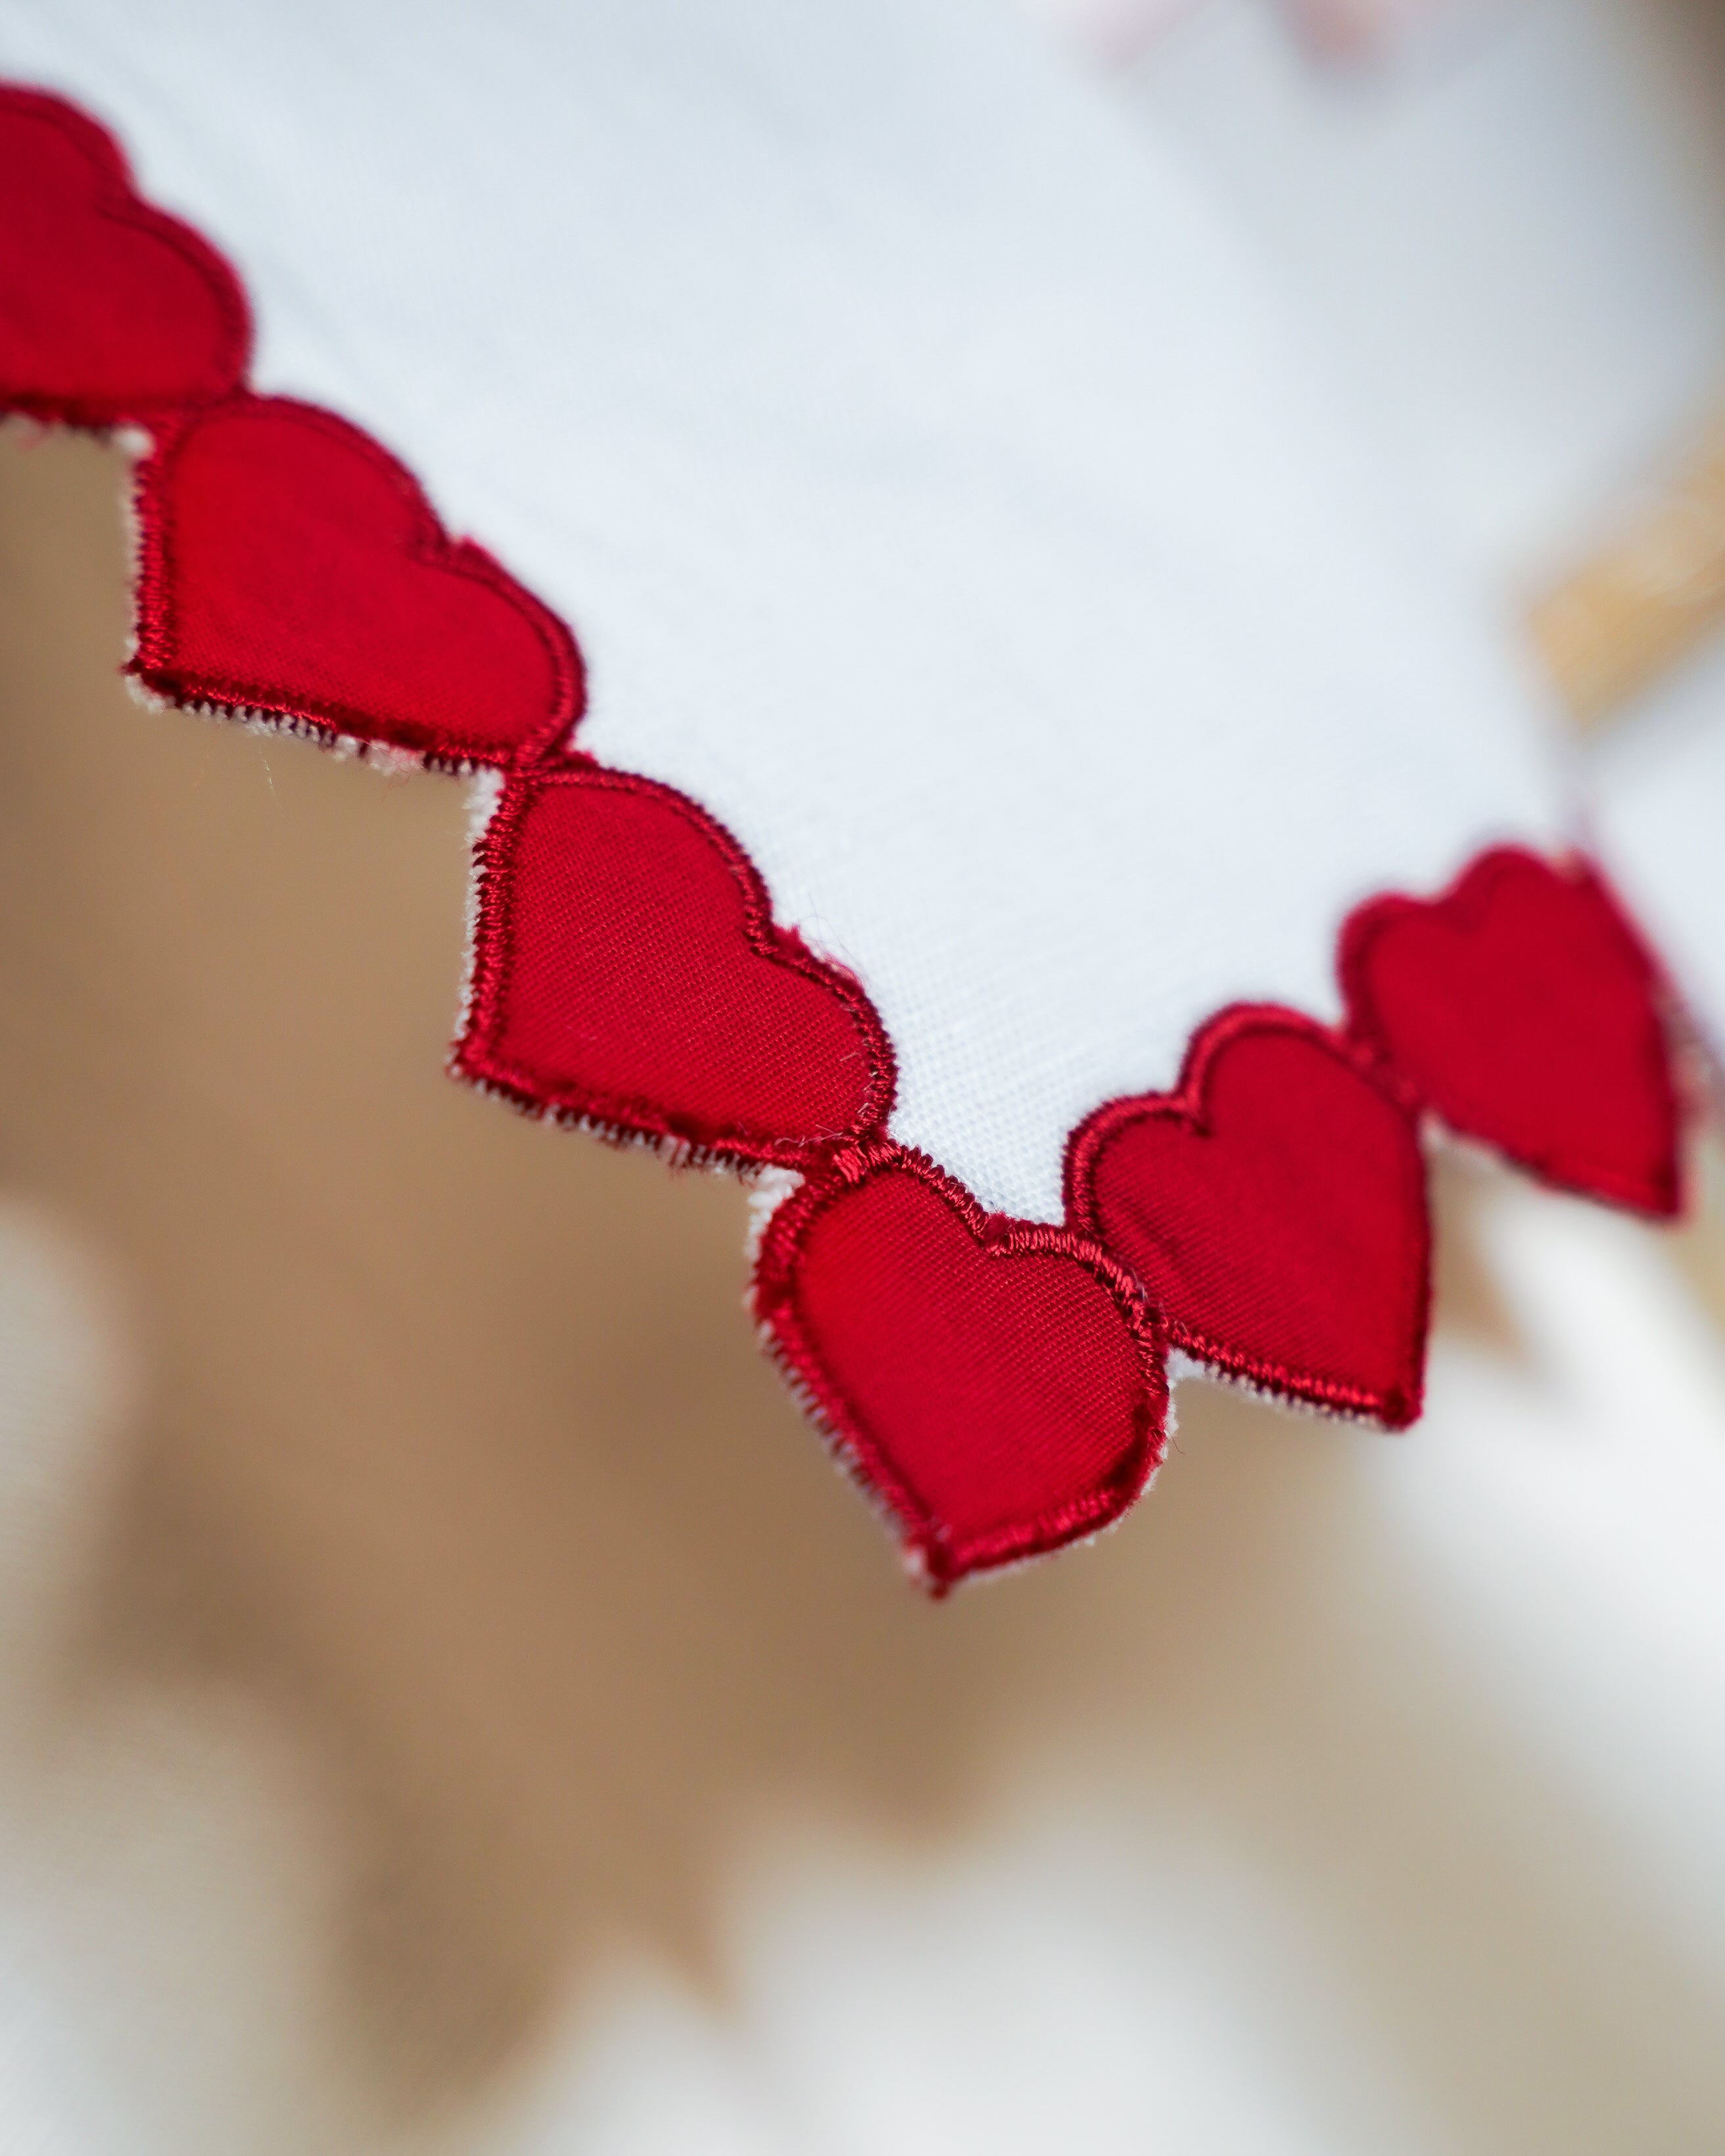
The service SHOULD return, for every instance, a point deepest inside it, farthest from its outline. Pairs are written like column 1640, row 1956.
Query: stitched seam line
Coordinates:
column 113, row 197
column 836, row 1161
column 155, row 662
column 494, row 960
column 776, row 1296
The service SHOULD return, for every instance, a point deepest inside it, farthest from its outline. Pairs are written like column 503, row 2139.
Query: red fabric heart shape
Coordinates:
column 291, row 568
column 997, row 1385
column 108, row 310
column 1522, row 1009
column 1274, row 1208
column 627, row 973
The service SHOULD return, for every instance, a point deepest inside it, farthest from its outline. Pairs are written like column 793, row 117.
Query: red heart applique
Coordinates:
column 997, row 1384
column 292, row 568
column 1522, row 1009
column 108, row 310
column 1274, row 1208
column 627, row 973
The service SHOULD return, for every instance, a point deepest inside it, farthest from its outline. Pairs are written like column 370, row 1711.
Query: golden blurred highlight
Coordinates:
column 1651, row 596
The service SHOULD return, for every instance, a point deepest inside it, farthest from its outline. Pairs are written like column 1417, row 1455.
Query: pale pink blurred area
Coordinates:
column 1353, row 31
column 1375, row 30
column 448, row 1704
column 1111, row 31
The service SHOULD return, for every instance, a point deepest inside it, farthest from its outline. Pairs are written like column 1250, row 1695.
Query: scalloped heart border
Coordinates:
column 1065, row 1492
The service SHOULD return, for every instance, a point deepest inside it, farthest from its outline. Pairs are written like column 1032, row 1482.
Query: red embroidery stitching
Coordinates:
column 598, row 953
column 996, row 1407
column 1522, row 1008
column 993, row 1477
column 110, row 309
column 292, row 573
column 1274, row 1206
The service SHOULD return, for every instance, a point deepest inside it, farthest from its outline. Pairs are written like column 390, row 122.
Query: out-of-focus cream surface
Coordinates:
column 1511, row 235
column 441, row 1712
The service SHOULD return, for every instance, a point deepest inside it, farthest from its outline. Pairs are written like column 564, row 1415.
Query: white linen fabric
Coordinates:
column 1576, row 155
column 939, row 490
column 1399, row 1830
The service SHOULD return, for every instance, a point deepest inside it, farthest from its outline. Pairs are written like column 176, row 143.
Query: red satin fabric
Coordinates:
column 1274, row 1208
column 998, row 1385
column 289, row 567
column 1520, row 1007
column 108, row 310
column 627, row 973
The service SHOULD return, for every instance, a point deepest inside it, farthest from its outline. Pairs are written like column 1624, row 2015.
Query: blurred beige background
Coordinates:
column 449, row 1706
column 448, row 1453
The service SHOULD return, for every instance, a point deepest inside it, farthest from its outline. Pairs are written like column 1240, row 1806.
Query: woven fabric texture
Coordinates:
column 998, row 1385
column 626, row 973
column 107, row 308
column 1027, row 917
column 289, row 568
column 1274, row 1210
column 1523, row 1009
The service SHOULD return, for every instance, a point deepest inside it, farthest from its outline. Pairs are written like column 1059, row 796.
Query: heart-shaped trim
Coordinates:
column 110, row 309
column 997, row 1385
column 493, row 679
column 1274, row 1208
column 1520, row 1007
column 627, row 973
column 292, row 572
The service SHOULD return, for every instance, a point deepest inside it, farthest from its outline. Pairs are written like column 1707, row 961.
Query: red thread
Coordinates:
column 1520, row 1007
column 108, row 309
column 1274, row 1207
column 627, row 973
column 291, row 571
column 997, row 1384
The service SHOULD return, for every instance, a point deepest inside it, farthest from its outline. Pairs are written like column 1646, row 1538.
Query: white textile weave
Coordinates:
column 939, row 490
